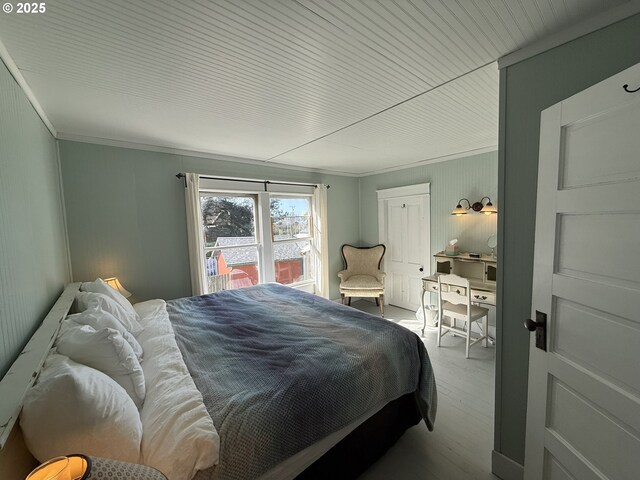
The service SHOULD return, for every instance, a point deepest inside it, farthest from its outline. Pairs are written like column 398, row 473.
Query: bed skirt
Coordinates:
column 366, row 444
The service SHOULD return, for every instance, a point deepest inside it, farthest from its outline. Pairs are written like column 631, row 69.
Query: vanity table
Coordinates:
column 481, row 273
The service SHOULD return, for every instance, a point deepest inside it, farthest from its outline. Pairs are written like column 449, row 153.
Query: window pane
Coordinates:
column 290, row 217
column 293, row 261
column 228, row 220
column 231, row 268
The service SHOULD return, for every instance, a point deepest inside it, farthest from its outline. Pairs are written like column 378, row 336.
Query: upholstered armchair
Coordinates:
column 362, row 276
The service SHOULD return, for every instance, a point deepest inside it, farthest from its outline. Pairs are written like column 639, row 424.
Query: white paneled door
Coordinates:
column 404, row 229
column 583, row 412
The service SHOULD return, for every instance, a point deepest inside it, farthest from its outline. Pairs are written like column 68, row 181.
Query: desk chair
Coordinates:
column 454, row 301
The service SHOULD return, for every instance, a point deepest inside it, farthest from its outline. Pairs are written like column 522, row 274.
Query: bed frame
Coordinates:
column 15, row 459
column 356, row 452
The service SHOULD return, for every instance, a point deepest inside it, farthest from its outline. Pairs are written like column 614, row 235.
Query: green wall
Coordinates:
column 126, row 214
column 33, row 249
column 470, row 177
column 527, row 88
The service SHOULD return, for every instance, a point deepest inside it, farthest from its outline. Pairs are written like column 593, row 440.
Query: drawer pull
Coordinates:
column 481, row 297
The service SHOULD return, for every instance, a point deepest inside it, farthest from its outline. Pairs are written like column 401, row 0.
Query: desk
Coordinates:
column 481, row 292
column 479, row 271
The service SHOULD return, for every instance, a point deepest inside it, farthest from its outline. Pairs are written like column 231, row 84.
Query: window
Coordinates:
column 252, row 237
column 291, row 238
column 230, row 242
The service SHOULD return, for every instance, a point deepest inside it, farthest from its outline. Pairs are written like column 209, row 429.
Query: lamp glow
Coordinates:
column 460, row 210
column 488, row 208
column 57, row 468
column 114, row 283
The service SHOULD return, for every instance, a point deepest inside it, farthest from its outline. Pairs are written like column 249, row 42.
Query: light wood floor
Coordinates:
column 459, row 448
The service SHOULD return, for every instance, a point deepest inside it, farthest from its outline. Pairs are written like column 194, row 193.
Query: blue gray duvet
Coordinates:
column 280, row 369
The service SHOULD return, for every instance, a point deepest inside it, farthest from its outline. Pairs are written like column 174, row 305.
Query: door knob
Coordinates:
column 531, row 325
column 421, row 269
column 539, row 325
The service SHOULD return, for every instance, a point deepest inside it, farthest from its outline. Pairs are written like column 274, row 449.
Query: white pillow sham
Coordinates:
column 105, row 350
column 74, row 408
column 100, row 286
column 99, row 319
column 179, row 436
column 91, row 301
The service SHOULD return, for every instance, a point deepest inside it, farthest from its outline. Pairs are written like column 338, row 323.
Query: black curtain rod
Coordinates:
column 264, row 182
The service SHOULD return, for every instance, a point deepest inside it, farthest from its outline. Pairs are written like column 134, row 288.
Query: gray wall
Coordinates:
column 33, row 251
column 471, row 177
column 526, row 89
column 126, row 214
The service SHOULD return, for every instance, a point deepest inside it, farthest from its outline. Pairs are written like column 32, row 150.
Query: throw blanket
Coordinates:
column 280, row 369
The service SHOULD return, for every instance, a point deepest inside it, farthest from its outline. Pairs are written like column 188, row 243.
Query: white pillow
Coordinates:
column 100, row 286
column 92, row 301
column 105, row 350
column 74, row 408
column 99, row 319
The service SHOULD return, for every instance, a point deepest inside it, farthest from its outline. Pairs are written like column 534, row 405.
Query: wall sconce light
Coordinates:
column 114, row 283
column 460, row 210
column 486, row 208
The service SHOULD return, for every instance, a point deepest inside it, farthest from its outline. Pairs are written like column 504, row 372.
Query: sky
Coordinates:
column 300, row 206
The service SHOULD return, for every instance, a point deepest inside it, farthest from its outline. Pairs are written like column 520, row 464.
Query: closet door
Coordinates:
column 406, row 231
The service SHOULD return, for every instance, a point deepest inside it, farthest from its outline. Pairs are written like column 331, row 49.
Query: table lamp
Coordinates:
column 82, row 467
column 58, row 468
column 114, row 283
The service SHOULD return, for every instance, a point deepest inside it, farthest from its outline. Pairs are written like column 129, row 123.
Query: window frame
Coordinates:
column 263, row 222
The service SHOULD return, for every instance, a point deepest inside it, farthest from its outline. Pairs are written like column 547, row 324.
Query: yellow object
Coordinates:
column 78, row 466
column 57, row 468
column 72, row 467
column 114, row 283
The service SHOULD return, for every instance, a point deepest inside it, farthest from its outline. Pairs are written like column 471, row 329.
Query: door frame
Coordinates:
column 418, row 190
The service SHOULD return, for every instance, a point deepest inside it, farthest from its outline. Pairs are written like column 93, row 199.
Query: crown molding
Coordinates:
column 602, row 20
column 17, row 75
column 428, row 161
column 263, row 163
column 194, row 153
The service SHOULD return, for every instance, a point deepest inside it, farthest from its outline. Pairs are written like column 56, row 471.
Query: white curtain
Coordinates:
column 320, row 243
column 194, row 234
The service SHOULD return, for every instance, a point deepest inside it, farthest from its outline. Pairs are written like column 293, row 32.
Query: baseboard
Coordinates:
column 505, row 468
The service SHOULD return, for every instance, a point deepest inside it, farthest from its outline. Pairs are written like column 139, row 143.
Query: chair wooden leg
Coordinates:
column 349, row 301
column 440, row 320
column 485, row 327
column 468, row 342
column 381, row 303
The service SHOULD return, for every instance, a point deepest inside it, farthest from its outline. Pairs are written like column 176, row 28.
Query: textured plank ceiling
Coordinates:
column 351, row 86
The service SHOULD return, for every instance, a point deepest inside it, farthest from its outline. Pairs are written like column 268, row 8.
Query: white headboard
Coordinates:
column 24, row 371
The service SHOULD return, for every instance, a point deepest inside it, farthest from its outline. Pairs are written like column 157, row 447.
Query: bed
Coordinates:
column 296, row 386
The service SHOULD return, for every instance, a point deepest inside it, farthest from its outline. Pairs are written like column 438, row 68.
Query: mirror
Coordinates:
column 492, row 243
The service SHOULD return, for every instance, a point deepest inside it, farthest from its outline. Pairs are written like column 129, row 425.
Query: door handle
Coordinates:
column 422, row 269
column 540, row 327
column 531, row 325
